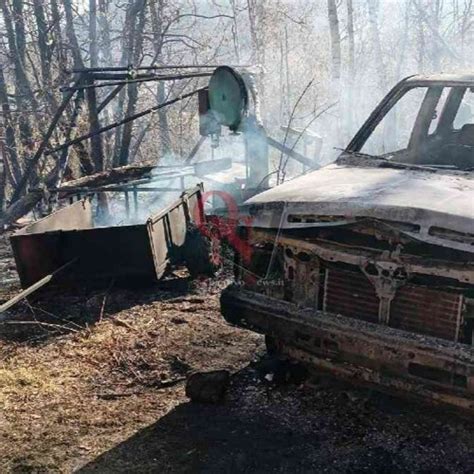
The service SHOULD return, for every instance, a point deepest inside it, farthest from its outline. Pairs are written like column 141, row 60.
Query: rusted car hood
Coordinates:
column 429, row 199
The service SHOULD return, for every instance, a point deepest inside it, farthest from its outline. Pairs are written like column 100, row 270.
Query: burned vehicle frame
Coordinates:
column 365, row 268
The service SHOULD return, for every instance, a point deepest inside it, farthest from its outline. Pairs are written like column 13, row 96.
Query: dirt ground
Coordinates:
column 93, row 381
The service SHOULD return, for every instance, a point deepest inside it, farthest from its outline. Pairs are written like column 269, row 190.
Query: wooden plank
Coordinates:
column 292, row 153
column 36, row 286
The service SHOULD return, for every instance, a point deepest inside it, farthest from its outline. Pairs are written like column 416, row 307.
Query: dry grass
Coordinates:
column 67, row 397
column 84, row 382
column 24, row 382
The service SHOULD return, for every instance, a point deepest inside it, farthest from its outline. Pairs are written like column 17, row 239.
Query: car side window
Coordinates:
column 439, row 110
column 393, row 132
column 465, row 114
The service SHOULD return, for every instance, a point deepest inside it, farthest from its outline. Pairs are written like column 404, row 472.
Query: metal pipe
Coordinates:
column 150, row 68
column 109, row 98
column 135, row 200
column 121, row 122
column 135, row 81
column 127, row 204
column 195, row 149
column 126, row 189
column 31, row 164
column 292, row 153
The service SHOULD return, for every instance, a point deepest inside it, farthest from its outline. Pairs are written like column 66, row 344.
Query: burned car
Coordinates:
column 365, row 268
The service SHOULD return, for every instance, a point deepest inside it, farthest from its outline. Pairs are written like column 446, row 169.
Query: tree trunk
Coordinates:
column 156, row 9
column 125, row 60
column 71, row 35
column 235, row 30
column 94, row 122
column 94, row 125
column 85, row 162
column 132, row 88
column 436, row 51
column 403, row 47
column 57, row 36
column 10, row 141
column 45, row 52
column 256, row 13
column 105, row 54
column 349, row 102
column 43, row 45
column 377, row 44
column 335, row 41
column 24, row 87
column 93, row 47
column 3, row 176
column 16, row 45
column 335, row 82
column 287, row 76
column 114, row 175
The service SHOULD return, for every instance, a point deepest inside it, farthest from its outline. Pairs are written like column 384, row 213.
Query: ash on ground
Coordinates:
column 94, row 381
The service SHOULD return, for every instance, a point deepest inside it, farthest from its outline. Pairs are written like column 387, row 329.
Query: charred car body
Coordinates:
column 365, row 267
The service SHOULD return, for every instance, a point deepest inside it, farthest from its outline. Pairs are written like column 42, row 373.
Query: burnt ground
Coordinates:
column 92, row 380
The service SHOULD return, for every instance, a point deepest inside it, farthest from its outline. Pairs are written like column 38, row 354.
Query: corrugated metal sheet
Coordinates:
column 427, row 311
column 350, row 294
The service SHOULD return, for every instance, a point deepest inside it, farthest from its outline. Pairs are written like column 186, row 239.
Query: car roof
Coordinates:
column 461, row 79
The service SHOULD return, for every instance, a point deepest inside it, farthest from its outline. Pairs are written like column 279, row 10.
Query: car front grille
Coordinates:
column 427, row 311
column 415, row 308
column 350, row 294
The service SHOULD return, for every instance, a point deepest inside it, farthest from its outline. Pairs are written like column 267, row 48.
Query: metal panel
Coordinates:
column 167, row 230
column 104, row 252
column 157, row 232
column 76, row 216
column 122, row 252
column 35, row 256
column 36, row 247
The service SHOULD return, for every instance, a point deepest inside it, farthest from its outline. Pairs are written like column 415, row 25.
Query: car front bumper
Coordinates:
column 397, row 361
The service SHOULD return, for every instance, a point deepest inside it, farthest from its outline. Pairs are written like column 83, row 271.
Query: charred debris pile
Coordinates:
column 363, row 268
column 134, row 222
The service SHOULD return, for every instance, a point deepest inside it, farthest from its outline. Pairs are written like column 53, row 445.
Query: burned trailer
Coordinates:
column 365, row 268
column 138, row 249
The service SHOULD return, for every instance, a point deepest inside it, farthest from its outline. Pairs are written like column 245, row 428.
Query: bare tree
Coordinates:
column 93, row 47
column 335, row 40
column 157, row 13
column 377, row 43
column 256, row 14
column 135, row 51
column 351, row 69
column 10, row 156
column 17, row 48
column 40, row 40
column 71, row 35
column 44, row 47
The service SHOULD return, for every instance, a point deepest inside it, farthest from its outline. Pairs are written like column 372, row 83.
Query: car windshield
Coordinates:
column 428, row 126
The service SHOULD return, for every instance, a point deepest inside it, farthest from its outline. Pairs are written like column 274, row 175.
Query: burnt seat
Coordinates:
column 466, row 135
column 460, row 153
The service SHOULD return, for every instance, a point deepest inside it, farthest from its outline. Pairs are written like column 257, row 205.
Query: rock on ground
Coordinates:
column 208, row 387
